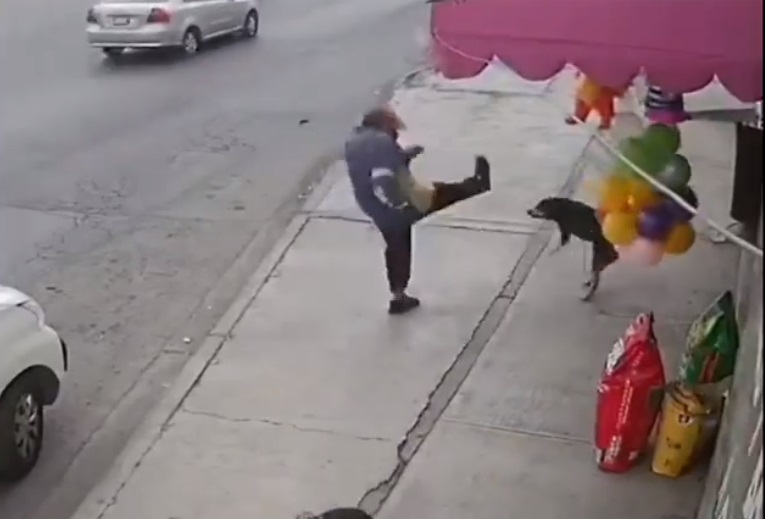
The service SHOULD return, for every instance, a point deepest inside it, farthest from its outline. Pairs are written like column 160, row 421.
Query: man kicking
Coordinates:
column 388, row 193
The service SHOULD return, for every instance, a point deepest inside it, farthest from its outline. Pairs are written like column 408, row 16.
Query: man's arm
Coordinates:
column 411, row 153
column 390, row 161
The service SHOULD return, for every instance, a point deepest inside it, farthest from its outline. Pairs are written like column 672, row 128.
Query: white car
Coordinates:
column 33, row 361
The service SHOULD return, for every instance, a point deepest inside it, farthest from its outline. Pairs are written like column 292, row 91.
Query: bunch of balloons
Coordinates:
column 640, row 221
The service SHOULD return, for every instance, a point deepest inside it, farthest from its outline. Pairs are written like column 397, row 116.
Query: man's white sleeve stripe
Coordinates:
column 381, row 173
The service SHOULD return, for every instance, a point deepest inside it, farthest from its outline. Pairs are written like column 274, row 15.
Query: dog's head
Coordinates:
column 546, row 209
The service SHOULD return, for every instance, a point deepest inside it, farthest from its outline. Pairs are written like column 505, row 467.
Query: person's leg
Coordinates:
column 746, row 202
column 581, row 112
column 449, row 193
column 398, row 265
column 607, row 110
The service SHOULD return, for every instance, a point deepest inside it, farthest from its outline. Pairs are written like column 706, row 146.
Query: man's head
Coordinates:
column 384, row 119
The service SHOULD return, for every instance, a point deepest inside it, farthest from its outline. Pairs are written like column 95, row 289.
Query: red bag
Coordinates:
column 628, row 406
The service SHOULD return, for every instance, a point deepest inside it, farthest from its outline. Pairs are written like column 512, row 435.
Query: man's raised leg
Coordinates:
column 449, row 193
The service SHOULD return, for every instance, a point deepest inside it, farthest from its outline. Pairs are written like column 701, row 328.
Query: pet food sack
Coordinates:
column 712, row 344
column 629, row 397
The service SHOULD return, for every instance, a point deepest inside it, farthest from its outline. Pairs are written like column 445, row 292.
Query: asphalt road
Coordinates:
column 128, row 191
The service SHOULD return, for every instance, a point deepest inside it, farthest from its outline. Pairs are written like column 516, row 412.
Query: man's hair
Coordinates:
column 382, row 118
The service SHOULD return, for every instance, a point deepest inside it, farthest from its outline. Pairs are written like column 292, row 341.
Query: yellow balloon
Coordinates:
column 682, row 238
column 614, row 194
column 620, row 228
column 642, row 195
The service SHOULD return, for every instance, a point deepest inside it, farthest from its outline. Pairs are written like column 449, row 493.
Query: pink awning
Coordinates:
column 681, row 45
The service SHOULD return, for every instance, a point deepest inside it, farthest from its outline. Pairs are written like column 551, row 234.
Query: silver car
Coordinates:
column 116, row 25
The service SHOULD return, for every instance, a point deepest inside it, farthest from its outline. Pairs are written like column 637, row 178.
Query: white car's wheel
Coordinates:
column 192, row 41
column 251, row 24
column 21, row 428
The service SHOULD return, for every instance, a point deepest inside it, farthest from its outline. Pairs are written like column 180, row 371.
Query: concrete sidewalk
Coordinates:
column 308, row 395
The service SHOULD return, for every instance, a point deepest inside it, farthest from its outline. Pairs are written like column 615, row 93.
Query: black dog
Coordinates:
column 578, row 219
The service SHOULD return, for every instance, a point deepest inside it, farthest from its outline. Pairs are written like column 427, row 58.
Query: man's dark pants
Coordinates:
column 398, row 240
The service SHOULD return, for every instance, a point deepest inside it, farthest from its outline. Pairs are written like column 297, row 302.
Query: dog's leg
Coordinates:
column 603, row 255
column 565, row 237
column 591, row 286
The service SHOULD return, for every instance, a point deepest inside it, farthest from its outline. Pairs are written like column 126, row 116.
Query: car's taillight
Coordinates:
column 158, row 16
column 91, row 18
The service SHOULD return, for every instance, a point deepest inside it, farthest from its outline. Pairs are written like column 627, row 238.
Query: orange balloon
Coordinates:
column 614, row 194
column 620, row 228
column 642, row 195
column 680, row 239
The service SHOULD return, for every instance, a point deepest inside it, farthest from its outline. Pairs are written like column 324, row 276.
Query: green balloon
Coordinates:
column 635, row 150
column 662, row 140
column 676, row 174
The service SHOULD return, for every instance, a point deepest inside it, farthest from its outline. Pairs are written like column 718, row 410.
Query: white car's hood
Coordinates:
column 11, row 297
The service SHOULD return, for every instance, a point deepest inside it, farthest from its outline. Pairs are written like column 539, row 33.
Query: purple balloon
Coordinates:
column 656, row 224
column 678, row 213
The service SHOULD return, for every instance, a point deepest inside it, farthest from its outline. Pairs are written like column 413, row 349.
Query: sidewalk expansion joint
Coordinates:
column 464, row 224
column 542, row 435
column 453, row 378
column 282, row 424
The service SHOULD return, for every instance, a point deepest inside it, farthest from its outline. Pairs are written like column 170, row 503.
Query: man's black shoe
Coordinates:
column 483, row 173
column 403, row 304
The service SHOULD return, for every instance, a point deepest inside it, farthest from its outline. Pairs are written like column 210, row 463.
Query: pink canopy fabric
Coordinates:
column 681, row 45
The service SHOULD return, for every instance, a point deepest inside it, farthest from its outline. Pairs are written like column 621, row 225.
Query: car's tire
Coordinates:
column 251, row 24
column 113, row 52
column 21, row 428
column 191, row 42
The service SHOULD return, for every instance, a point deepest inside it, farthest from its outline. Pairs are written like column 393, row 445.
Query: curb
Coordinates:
column 106, row 493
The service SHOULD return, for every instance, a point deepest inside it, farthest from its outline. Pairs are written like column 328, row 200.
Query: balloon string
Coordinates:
column 614, row 150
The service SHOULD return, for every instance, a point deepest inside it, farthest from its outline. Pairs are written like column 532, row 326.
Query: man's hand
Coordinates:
column 411, row 152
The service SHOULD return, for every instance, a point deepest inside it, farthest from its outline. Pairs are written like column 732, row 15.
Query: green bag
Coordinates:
column 712, row 344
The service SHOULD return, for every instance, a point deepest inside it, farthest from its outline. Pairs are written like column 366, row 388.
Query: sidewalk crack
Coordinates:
column 279, row 423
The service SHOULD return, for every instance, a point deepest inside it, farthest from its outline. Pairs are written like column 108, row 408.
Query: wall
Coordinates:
column 734, row 484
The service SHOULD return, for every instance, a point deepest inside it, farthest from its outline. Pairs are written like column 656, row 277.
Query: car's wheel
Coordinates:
column 251, row 24
column 21, row 428
column 113, row 52
column 192, row 41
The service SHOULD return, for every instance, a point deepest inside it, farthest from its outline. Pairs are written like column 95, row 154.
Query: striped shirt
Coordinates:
column 656, row 99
